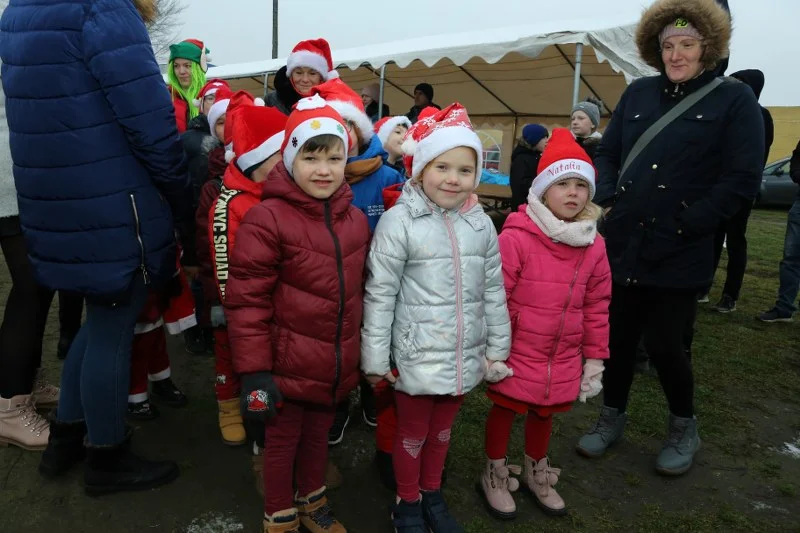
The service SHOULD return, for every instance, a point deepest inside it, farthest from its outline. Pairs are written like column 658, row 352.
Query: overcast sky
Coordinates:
column 765, row 31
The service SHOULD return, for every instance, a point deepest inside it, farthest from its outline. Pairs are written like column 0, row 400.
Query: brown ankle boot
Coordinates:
column 282, row 522
column 21, row 425
column 316, row 515
column 541, row 478
column 230, row 423
column 44, row 395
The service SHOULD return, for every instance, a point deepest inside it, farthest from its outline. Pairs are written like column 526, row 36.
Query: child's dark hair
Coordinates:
column 321, row 143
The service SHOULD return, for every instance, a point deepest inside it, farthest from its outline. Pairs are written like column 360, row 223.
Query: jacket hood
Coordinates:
column 236, row 181
column 281, row 185
column 753, row 78
column 524, row 151
column 711, row 20
column 374, row 149
column 285, row 90
column 147, row 9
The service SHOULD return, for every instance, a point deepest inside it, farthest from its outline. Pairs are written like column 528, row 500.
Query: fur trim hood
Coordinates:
column 710, row 19
column 147, row 9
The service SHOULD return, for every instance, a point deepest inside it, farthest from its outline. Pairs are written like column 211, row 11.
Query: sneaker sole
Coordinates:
column 549, row 511
column 100, row 490
column 780, row 320
column 4, row 443
column 340, row 438
column 492, row 511
column 367, row 421
column 724, row 310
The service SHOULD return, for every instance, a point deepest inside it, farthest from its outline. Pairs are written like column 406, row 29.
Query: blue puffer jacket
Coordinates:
column 368, row 193
column 97, row 158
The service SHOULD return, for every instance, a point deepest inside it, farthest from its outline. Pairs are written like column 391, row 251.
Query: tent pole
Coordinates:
column 576, row 88
column 266, row 84
column 380, row 97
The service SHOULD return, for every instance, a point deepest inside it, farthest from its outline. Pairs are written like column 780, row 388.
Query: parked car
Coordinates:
column 777, row 188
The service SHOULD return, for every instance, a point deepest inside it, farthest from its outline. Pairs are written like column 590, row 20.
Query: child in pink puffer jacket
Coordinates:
column 558, row 287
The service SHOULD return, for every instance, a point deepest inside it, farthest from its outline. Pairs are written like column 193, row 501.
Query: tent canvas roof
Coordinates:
column 514, row 71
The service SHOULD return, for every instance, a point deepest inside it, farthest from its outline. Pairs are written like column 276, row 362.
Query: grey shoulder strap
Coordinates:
column 665, row 120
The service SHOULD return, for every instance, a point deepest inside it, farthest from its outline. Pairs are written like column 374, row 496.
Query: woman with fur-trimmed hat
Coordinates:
column 664, row 209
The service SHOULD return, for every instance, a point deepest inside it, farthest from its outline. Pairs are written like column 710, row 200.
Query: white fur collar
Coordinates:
column 576, row 234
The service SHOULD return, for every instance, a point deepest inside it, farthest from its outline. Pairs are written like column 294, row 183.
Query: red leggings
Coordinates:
column 386, row 411
column 227, row 386
column 296, row 449
column 498, row 433
column 422, row 441
column 149, row 358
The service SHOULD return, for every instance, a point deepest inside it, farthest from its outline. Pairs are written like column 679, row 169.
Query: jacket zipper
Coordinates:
column 142, row 265
column 459, row 306
column 340, row 316
column 561, row 324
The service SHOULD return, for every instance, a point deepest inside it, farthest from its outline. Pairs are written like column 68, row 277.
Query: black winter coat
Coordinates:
column 524, row 167
column 198, row 143
column 284, row 96
column 589, row 145
column 695, row 174
column 372, row 112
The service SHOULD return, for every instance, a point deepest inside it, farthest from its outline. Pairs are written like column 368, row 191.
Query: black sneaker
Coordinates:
column 726, row 304
column 407, row 517
column 142, row 411
column 368, row 412
column 436, row 515
column 336, row 433
column 773, row 315
column 195, row 341
column 703, row 298
column 168, row 394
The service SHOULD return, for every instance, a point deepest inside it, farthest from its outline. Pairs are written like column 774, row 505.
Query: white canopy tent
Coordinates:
column 504, row 76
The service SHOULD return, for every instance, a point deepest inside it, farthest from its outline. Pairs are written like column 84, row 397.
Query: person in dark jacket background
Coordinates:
column 525, row 162
column 100, row 175
column 735, row 229
column 423, row 97
column 789, row 273
column 584, row 121
column 370, row 95
column 699, row 171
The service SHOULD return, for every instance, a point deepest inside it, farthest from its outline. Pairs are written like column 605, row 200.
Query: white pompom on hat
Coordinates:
column 313, row 53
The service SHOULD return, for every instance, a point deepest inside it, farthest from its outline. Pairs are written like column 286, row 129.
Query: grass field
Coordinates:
column 745, row 479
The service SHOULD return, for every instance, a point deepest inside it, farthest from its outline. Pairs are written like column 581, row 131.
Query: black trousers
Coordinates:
column 24, row 320
column 661, row 316
column 735, row 230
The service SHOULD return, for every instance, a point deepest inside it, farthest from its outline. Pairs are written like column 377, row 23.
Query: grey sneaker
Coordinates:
column 703, row 298
column 605, row 432
column 773, row 315
column 677, row 455
column 726, row 304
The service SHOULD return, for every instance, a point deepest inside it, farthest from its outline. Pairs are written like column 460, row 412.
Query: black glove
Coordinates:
column 260, row 397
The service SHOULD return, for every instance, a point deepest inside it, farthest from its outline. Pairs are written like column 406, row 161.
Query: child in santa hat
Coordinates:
column 206, row 156
column 558, row 285
column 171, row 308
column 308, row 65
column 186, row 75
column 257, row 138
column 435, row 317
column 293, row 303
column 391, row 131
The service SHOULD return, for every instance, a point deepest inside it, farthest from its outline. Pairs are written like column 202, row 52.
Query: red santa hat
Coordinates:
column 219, row 108
column 211, row 87
column 314, row 53
column 347, row 103
column 257, row 135
column 311, row 117
column 238, row 100
column 437, row 132
column 563, row 158
column 385, row 126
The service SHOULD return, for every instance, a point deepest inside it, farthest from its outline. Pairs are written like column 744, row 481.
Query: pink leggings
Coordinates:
column 422, row 441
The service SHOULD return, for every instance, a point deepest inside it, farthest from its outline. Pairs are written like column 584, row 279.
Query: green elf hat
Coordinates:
column 191, row 49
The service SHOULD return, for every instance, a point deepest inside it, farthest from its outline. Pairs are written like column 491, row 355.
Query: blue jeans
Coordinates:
column 96, row 373
column 790, row 266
